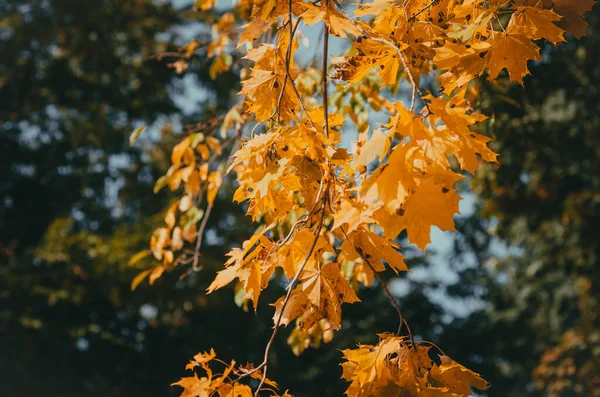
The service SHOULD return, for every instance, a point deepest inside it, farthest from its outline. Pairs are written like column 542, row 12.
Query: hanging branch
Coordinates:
column 289, row 293
column 393, row 300
column 324, row 75
column 288, row 56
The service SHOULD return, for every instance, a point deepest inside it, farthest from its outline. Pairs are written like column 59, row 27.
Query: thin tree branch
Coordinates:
column 302, row 105
column 199, row 239
column 401, row 318
column 287, row 296
column 288, row 56
column 392, row 299
column 324, row 76
column 262, row 381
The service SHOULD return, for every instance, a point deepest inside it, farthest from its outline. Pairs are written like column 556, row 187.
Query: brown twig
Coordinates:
column 288, row 56
column 199, row 238
column 324, row 76
column 393, row 300
column 302, row 105
column 401, row 318
column 262, row 381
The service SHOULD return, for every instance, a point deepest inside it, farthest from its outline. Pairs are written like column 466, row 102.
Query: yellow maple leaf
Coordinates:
column 337, row 23
column 194, row 386
column 376, row 147
column 511, row 51
column 319, row 296
column 456, row 378
column 536, row 23
column 251, row 265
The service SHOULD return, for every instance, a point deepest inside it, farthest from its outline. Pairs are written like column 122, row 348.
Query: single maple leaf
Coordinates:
column 352, row 213
column 235, row 390
column 263, row 88
column 456, row 136
column 511, row 51
column 201, row 359
column 251, row 265
column 456, row 378
column 431, row 204
column 319, row 296
column 194, row 386
column 536, row 23
column 252, row 31
column 367, row 367
column 369, row 246
column 376, row 147
column 388, row 185
column 335, row 21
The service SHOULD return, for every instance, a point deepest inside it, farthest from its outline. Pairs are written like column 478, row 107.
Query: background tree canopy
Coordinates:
column 76, row 204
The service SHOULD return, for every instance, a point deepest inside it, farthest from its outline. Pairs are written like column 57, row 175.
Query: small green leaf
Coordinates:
column 135, row 135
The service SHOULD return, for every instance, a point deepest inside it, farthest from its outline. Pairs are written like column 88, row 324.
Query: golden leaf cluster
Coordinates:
column 331, row 217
